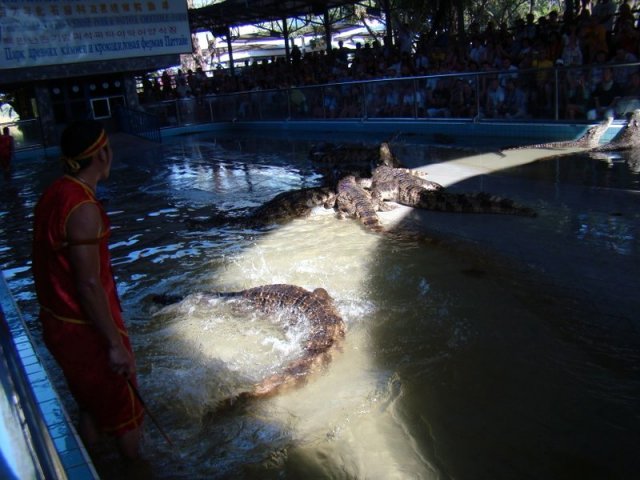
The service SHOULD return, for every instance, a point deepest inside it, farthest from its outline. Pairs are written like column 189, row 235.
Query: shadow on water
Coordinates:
column 543, row 381
column 473, row 353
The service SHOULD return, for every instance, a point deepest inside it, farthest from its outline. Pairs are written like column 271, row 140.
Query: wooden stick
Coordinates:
column 146, row 409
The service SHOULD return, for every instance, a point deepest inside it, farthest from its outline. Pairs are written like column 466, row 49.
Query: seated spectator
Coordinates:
column 411, row 100
column 352, row 106
column 604, row 97
column 438, row 99
column 330, row 103
column 463, row 100
column 572, row 51
column 576, row 95
column 621, row 74
column 510, row 72
column 630, row 99
column 627, row 37
column 515, row 101
column 593, row 38
column 478, row 52
column 375, row 99
column 493, row 99
column 392, row 102
column 554, row 46
column 542, row 90
column 597, row 69
column 298, row 102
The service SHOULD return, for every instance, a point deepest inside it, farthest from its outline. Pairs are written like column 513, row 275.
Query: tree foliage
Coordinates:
column 456, row 16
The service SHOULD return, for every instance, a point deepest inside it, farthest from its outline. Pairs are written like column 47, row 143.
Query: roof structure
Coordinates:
column 218, row 17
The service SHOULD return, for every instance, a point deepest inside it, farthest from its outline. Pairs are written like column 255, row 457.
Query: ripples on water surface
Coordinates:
column 452, row 367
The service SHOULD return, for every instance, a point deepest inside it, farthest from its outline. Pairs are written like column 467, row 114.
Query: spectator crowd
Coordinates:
column 591, row 53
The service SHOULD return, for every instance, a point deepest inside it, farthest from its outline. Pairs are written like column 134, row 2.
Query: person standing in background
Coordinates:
column 7, row 152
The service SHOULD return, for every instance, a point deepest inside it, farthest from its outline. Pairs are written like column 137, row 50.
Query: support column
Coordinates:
column 386, row 5
column 230, row 52
column 45, row 115
column 131, row 92
column 327, row 29
column 285, row 34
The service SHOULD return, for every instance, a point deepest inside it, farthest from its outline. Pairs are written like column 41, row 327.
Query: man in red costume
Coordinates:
column 79, row 307
column 7, row 151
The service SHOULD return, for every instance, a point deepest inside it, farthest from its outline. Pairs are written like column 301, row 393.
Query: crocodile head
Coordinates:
column 387, row 157
column 591, row 139
column 634, row 121
column 628, row 137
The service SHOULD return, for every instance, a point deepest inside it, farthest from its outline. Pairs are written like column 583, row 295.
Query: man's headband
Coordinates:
column 73, row 162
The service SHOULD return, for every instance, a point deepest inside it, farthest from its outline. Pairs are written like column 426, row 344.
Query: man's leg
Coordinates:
column 136, row 467
column 129, row 443
column 88, row 430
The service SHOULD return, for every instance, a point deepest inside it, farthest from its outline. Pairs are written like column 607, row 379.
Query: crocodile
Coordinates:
column 634, row 160
column 361, row 197
column 589, row 140
column 401, row 186
column 386, row 182
column 355, row 154
column 281, row 208
column 326, row 329
column 354, row 201
column 627, row 138
column 356, row 160
column 292, row 204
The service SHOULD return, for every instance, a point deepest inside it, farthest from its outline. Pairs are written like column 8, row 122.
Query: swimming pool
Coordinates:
column 484, row 347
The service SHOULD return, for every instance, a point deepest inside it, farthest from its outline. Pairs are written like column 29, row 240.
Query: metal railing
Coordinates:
column 550, row 96
column 139, row 123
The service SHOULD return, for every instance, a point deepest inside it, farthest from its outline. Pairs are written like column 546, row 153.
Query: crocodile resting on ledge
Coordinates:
column 628, row 138
column 589, row 140
column 401, row 186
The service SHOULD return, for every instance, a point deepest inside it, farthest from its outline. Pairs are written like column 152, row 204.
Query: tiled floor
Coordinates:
column 71, row 452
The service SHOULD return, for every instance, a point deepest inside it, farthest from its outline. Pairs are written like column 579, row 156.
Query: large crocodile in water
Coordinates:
column 325, row 326
column 292, row 204
column 401, row 186
column 283, row 207
column 627, row 138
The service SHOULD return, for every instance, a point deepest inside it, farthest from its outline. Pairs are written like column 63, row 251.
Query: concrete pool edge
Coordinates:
column 47, row 410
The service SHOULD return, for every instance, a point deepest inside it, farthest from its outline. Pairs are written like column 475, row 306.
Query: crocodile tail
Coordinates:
column 471, row 203
column 293, row 375
column 166, row 299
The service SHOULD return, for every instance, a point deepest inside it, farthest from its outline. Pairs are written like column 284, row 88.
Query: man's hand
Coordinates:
column 121, row 361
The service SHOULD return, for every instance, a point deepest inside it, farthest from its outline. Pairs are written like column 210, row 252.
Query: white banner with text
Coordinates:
column 52, row 32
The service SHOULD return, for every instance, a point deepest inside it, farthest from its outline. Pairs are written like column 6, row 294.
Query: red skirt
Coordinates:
column 83, row 357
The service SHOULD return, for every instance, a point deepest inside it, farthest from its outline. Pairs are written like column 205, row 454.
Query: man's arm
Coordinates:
column 85, row 224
